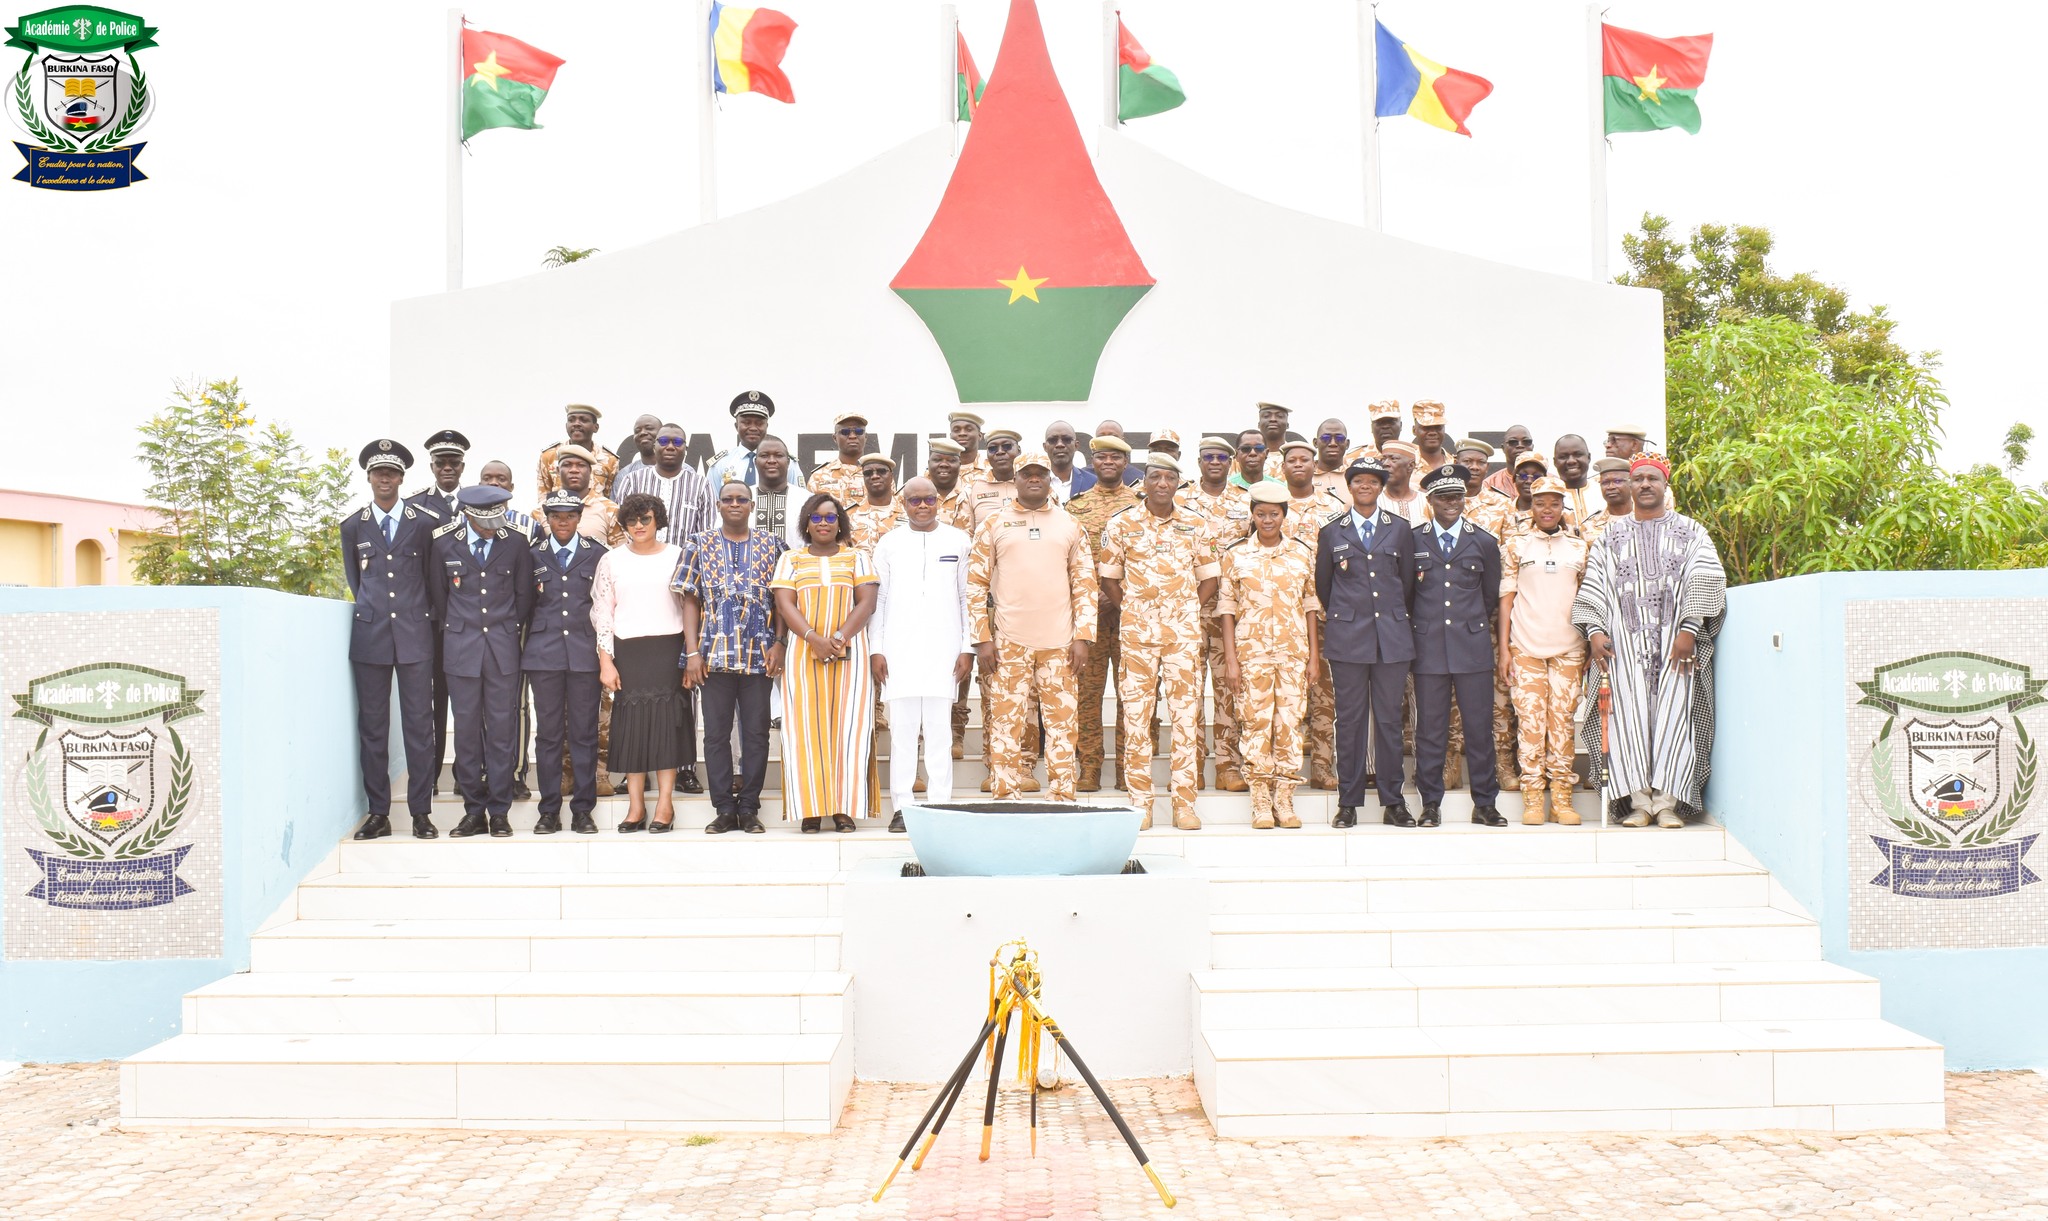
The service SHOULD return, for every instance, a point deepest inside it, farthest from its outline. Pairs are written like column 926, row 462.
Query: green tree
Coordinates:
column 562, row 256
column 1794, row 471
column 241, row 504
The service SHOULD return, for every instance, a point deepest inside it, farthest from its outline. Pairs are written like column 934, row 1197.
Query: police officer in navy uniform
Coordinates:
column 385, row 548
column 481, row 576
column 561, row 664
column 447, row 454
column 1365, row 564
column 1457, row 584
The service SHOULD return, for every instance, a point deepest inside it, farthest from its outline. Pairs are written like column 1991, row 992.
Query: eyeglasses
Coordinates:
column 1254, row 448
column 671, row 442
column 735, row 500
column 1333, row 438
column 1065, row 438
column 853, row 432
column 824, row 519
column 1001, row 447
column 1210, row 455
column 919, row 501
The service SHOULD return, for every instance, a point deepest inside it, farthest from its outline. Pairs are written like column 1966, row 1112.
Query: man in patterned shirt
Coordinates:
column 732, row 651
column 1093, row 508
column 1266, row 603
column 1157, row 566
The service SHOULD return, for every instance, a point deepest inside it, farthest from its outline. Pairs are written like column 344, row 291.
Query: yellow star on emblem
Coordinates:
column 1023, row 285
column 488, row 71
column 1650, row 83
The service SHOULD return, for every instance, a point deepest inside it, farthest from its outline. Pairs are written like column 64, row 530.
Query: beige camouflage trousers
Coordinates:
column 1028, row 679
column 1270, row 704
column 1153, row 673
column 1546, row 697
column 1322, row 724
column 1093, row 679
column 1503, row 728
column 988, row 719
column 1223, row 727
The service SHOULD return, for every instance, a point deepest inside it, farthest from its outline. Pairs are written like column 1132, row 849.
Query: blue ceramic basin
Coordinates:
column 1020, row 838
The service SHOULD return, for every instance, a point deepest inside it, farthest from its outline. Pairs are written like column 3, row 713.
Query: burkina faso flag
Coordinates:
column 1025, row 270
column 504, row 81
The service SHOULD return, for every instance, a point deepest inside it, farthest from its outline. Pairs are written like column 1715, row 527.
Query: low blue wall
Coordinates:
column 1780, row 770
column 289, row 791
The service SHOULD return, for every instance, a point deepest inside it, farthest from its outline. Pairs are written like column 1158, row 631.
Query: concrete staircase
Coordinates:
column 1375, row 981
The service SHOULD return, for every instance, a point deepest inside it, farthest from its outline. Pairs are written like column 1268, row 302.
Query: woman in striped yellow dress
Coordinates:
column 824, row 593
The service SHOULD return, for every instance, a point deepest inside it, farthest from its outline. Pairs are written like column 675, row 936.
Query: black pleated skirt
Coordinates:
column 648, row 710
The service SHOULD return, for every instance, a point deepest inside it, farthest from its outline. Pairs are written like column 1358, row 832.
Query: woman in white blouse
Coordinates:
column 639, row 623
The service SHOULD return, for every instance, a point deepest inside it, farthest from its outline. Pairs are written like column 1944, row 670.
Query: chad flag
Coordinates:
column 1025, row 270
column 747, row 45
column 1413, row 84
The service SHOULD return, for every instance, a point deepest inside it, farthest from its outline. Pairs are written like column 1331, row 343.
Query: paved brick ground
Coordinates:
column 66, row 1157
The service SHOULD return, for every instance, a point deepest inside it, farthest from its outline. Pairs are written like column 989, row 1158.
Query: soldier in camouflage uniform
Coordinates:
column 986, row 496
column 877, row 510
column 1227, row 509
column 1616, row 492
column 841, row 476
column 1157, row 566
column 1092, row 509
column 1311, row 503
column 1542, row 656
column 1031, row 596
column 1267, row 604
column 1504, row 517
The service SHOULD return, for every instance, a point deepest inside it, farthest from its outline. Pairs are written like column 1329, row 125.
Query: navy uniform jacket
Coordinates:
column 558, row 632
column 394, row 621
column 442, row 503
column 481, row 610
column 1453, row 600
column 1365, row 596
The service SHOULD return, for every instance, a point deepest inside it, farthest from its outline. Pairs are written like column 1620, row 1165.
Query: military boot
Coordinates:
column 1561, row 811
column 1532, row 805
column 1283, row 805
column 1262, row 805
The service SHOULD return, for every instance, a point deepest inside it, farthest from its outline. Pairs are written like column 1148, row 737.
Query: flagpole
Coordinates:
column 949, row 36
column 454, row 141
column 1369, row 118
column 707, row 97
column 1112, row 44
column 1596, row 129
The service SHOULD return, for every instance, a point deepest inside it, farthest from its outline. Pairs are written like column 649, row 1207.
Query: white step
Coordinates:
column 655, row 1081
column 1829, row 1075
column 738, row 943
column 1636, row 935
column 583, row 895
column 1474, row 888
column 780, row 850
column 1281, row 1000
column 575, row 1003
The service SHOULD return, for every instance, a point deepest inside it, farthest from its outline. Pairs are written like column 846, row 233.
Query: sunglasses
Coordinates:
column 918, row 501
column 735, row 500
column 1001, row 447
column 1251, row 449
column 671, row 442
column 853, row 432
column 1333, row 438
column 824, row 519
column 1061, row 439
column 1210, row 455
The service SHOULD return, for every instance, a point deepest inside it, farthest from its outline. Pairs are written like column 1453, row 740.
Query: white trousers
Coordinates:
column 933, row 717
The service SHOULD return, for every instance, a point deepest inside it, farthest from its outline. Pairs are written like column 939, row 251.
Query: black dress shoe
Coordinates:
column 750, row 822
column 1432, row 816
column 583, row 824
column 423, row 827
column 842, row 823
column 721, row 824
column 627, row 828
column 810, row 825
column 501, row 826
column 661, row 828
column 1396, row 816
column 376, row 826
column 548, row 824
column 1347, row 816
column 686, row 779
column 896, row 823
column 471, row 824
column 1487, row 816
column 520, row 792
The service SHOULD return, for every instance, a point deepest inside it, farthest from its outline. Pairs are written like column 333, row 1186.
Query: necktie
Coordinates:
column 1365, row 533
column 562, row 558
column 750, row 468
column 390, row 529
column 480, row 548
column 1443, row 543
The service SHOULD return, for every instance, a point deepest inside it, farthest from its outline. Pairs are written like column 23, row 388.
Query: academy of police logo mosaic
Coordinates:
column 80, row 95
column 1954, row 770
column 108, row 782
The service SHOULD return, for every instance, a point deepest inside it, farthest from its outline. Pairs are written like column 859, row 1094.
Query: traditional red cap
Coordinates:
column 1656, row 460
